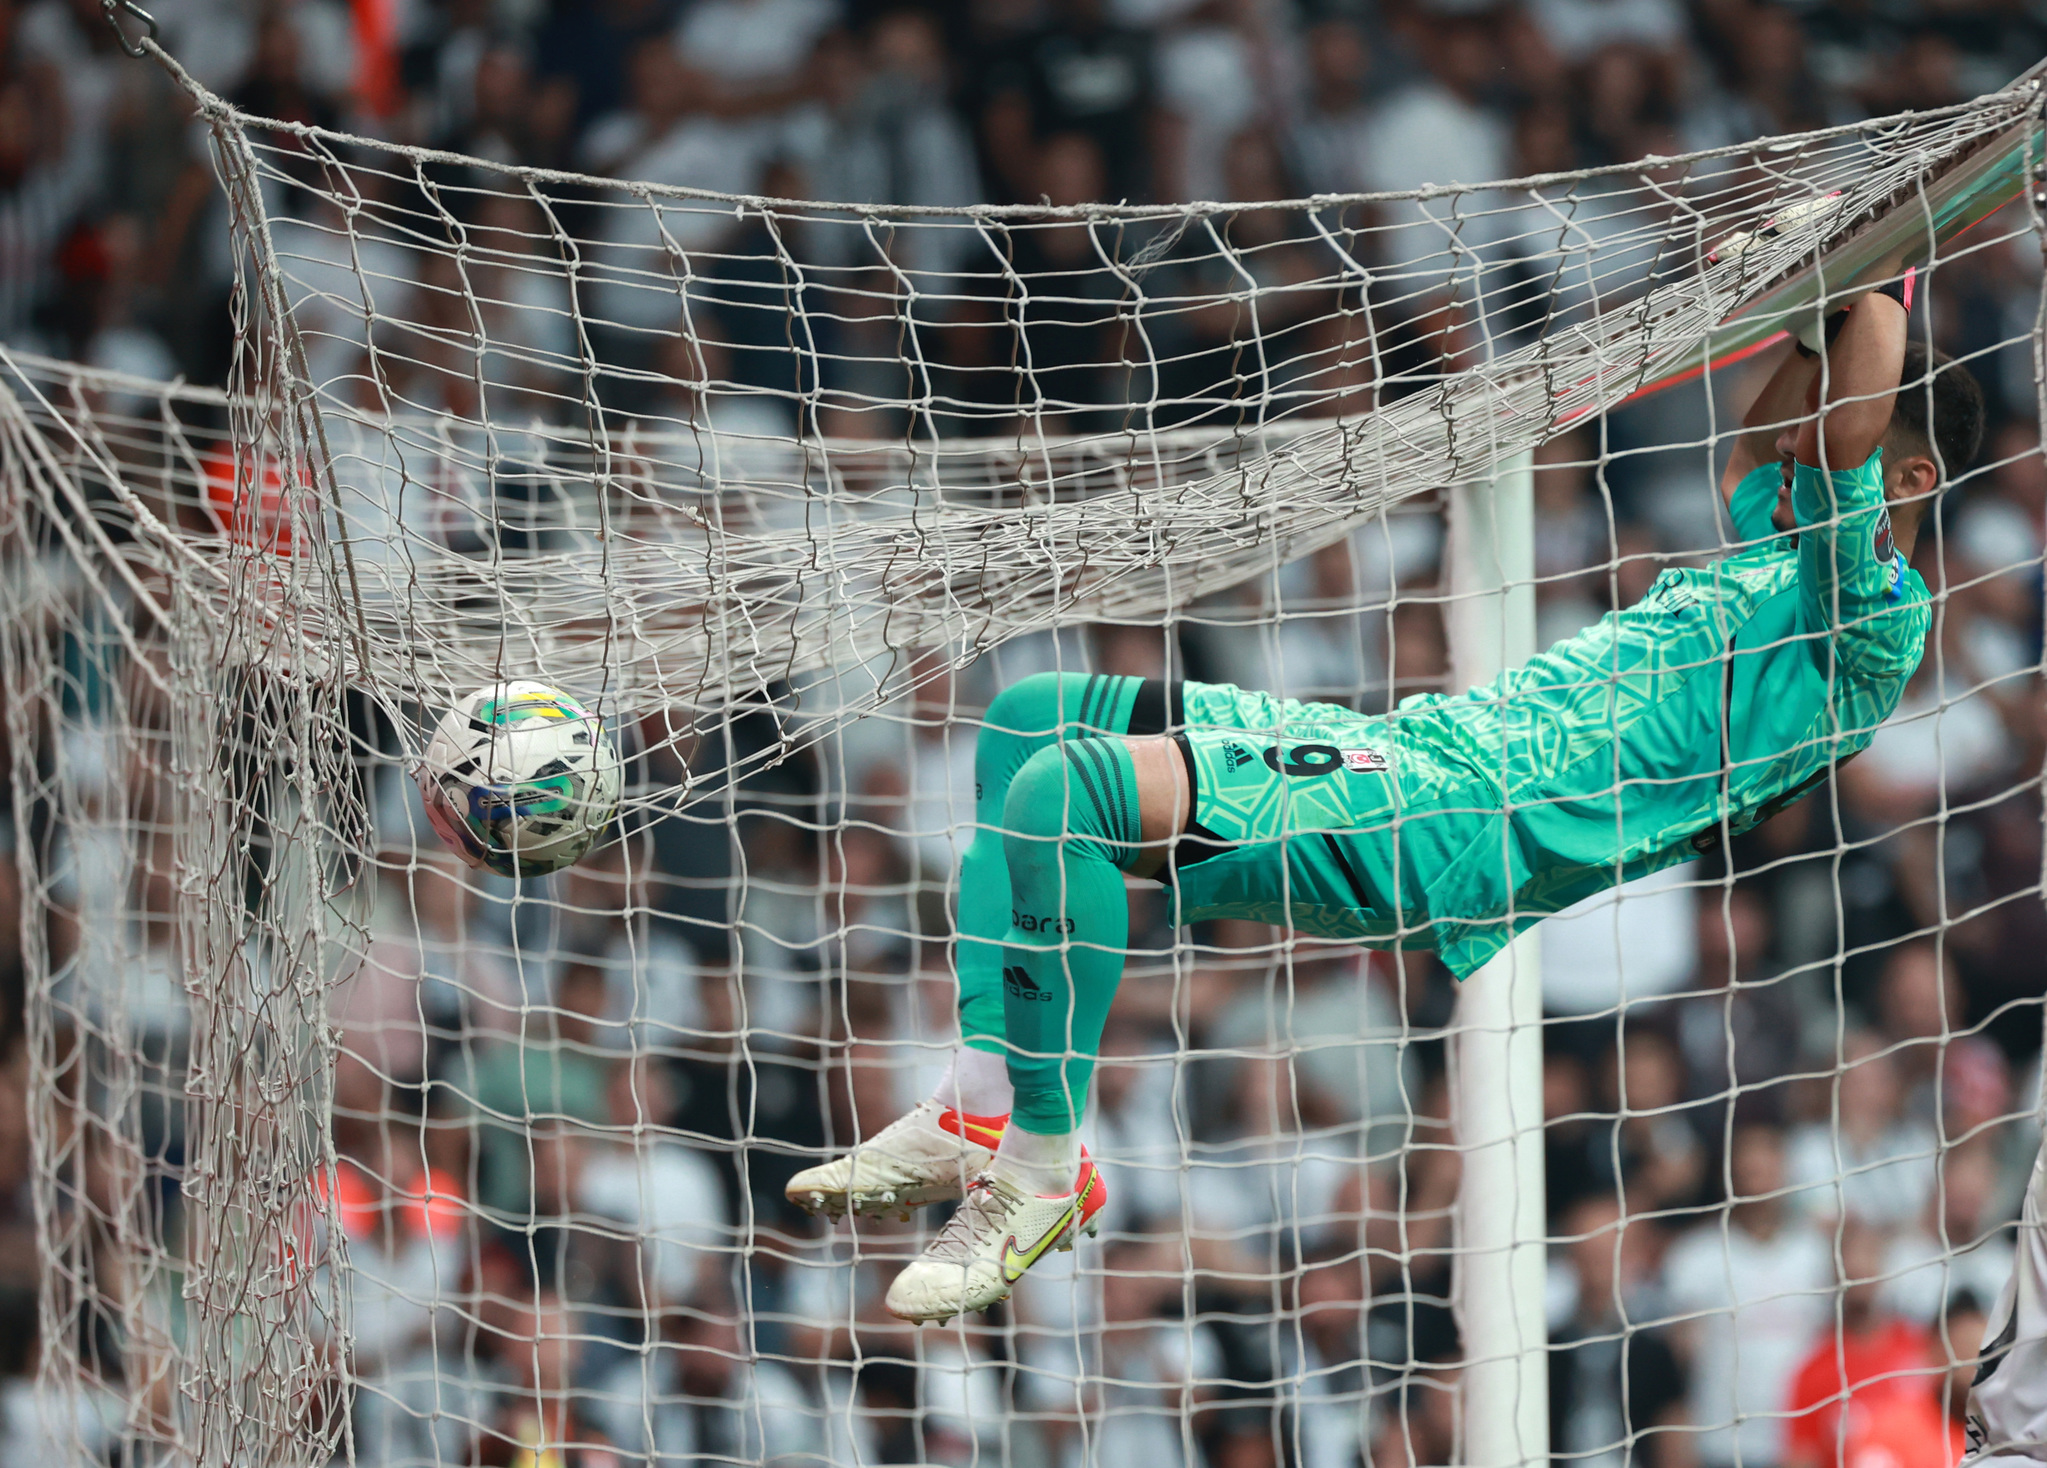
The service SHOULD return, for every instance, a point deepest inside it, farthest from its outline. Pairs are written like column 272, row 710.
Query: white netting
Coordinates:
column 343, row 1150
column 630, row 470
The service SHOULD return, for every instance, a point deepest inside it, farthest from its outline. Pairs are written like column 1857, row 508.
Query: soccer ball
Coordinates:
column 520, row 778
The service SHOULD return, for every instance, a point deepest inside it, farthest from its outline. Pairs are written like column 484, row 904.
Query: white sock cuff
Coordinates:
column 1041, row 1163
column 976, row 1082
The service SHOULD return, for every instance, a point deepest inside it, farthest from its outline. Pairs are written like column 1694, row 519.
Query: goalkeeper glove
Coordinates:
column 1815, row 336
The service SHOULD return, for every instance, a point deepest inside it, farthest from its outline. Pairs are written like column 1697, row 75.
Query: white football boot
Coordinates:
column 999, row 1232
column 926, row 1156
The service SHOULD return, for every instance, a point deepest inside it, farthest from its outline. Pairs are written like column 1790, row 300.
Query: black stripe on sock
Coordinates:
column 1087, row 783
column 1125, row 806
column 1111, row 723
column 1116, row 820
column 1160, row 707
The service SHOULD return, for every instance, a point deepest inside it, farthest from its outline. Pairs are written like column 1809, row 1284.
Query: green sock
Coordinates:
column 1072, row 819
column 1031, row 714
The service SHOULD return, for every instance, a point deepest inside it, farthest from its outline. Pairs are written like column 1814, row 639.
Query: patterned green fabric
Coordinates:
column 1725, row 693
column 1303, row 799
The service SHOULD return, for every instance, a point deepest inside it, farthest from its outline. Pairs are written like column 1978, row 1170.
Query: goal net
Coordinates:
column 343, row 1150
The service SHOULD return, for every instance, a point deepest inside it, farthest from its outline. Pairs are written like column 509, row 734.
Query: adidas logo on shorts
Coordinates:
column 1234, row 755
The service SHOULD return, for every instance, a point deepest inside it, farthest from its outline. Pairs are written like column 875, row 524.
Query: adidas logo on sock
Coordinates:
column 1021, row 984
column 1234, row 755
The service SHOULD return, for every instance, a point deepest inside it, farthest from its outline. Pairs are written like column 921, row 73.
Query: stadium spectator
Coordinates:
column 1272, row 1170
column 46, row 175
column 1740, row 1023
column 582, row 52
column 884, row 135
column 406, row 1223
column 289, row 79
column 484, row 107
column 1580, row 29
column 531, row 1411
column 694, row 402
column 1154, row 1370
column 1082, row 76
column 1863, row 1156
column 1567, row 1125
column 1872, row 1361
column 757, row 45
column 1625, row 95
column 1342, row 1030
column 17, row 1204
column 833, row 1304
column 1649, row 1153
column 1216, row 68
column 526, row 1087
column 1750, row 1295
column 1768, row 85
column 1621, row 947
column 1138, row 1123
column 674, row 1223
column 1438, row 128
column 432, row 961
column 1419, row 1425
column 698, row 1393
column 1610, row 1375
column 34, row 1432
column 1330, row 137
column 1956, row 1247
column 1334, row 1405
column 1919, row 1004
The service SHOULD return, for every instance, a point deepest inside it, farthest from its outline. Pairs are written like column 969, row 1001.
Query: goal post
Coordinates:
column 1502, row 1231
column 344, row 1151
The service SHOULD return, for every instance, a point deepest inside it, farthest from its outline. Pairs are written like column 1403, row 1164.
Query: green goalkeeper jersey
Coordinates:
column 1726, row 693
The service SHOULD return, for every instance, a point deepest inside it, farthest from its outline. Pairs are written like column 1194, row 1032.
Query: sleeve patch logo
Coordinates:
column 1366, row 761
column 1883, row 544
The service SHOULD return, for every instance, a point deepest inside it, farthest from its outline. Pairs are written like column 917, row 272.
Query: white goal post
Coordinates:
column 1502, row 1228
column 783, row 498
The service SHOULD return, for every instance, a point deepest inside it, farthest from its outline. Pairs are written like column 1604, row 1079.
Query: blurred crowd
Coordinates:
column 112, row 230
column 1790, row 1095
column 1789, row 1090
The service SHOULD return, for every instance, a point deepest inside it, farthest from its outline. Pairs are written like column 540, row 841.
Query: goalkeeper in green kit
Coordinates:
column 1726, row 693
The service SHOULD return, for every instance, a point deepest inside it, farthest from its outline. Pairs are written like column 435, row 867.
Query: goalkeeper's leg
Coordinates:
column 1072, row 827
column 1287, row 829
column 928, row 1155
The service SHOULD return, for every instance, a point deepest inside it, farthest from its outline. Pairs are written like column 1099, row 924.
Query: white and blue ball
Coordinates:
column 520, row 778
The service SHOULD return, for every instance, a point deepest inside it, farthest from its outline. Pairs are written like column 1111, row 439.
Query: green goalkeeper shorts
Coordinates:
column 1316, row 818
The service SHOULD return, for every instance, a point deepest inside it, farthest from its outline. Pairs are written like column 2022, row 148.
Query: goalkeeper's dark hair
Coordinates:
column 1956, row 400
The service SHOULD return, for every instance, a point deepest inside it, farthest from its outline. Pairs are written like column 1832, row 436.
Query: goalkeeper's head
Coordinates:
column 1936, row 425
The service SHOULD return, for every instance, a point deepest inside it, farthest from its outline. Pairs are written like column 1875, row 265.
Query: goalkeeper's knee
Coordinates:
column 1034, row 705
column 1071, row 821
column 1020, row 719
column 1077, row 799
